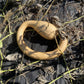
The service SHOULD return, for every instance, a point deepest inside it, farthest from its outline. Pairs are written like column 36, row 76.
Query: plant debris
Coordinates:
column 66, row 69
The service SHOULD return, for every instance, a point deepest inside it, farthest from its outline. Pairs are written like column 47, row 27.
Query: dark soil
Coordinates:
column 42, row 72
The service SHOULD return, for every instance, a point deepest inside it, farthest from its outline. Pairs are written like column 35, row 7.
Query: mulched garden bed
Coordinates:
column 16, row 67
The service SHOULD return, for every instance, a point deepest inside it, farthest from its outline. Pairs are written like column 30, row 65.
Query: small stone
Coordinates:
column 55, row 18
column 56, row 21
column 39, row 5
column 13, row 57
column 42, row 80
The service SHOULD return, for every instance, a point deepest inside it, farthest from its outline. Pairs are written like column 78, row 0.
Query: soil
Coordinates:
column 13, row 13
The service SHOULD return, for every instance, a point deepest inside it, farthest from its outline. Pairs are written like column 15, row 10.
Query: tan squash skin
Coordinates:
column 46, row 30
